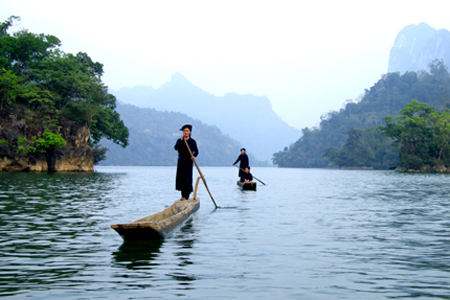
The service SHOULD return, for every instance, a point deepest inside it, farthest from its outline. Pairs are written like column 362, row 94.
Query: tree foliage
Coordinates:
column 422, row 135
column 43, row 87
column 364, row 148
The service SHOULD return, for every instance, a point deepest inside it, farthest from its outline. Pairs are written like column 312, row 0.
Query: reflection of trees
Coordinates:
column 50, row 228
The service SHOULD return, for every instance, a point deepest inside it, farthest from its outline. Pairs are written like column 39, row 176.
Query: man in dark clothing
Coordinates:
column 246, row 176
column 243, row 158
column 185, row 162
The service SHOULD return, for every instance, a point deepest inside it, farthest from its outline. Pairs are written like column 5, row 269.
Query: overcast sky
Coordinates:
column 307, row 57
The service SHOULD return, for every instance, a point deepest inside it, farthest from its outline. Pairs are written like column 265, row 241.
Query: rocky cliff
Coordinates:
column 416, row 46
column 19, row 152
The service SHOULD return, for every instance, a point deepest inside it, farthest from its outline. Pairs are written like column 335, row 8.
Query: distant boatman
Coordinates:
column 243, row 158
column 185, row 162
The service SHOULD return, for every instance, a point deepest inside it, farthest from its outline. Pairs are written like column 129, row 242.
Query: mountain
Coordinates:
column 153, row 135
column 354, row 127
column 416, row 46
column 247, row 118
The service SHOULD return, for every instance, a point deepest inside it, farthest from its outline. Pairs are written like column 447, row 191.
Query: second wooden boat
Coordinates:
column 247, row 186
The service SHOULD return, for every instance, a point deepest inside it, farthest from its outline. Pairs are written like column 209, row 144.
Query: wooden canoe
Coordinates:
column 159, row 225
column 247, row 186
column 162, row 224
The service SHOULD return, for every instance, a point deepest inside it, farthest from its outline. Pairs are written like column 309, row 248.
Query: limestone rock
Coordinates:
column 76, row 156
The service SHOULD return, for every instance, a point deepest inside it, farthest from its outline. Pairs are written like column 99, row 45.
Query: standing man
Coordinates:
column 185, row 162
column 243, row 158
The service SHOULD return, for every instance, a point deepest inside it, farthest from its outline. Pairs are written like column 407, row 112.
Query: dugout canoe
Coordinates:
column 247, row 186
column 162, row 224
column 159, row 225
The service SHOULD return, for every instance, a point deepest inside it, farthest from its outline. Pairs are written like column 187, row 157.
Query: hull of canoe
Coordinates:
column 247, row 186
column 159, row 225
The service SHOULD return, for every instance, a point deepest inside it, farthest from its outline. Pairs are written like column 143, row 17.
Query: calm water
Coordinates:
column 307, row 234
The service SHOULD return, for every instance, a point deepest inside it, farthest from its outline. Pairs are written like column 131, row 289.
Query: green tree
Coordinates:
column 364, row 148
column 46, row 90
column 421, row 133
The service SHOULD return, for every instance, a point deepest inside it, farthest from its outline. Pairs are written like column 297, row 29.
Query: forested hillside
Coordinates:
column 386, row 98
column 247, row 118
column 153, row 135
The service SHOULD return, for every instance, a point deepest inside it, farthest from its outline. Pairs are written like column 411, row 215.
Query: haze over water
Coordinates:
column 307, row 234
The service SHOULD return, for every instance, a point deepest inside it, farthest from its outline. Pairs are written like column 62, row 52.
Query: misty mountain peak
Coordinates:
column 416, row 46
column 178, row 78
column 179, row 83
column 238, row 116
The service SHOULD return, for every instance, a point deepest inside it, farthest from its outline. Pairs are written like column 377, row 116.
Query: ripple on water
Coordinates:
column 307, row 234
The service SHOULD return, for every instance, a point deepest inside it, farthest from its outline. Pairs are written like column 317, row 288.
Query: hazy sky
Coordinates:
column 307, row 57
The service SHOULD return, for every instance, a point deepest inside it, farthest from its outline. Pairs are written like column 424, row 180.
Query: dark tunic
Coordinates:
column 247, row 176
column 244, row 163
column 185, row 164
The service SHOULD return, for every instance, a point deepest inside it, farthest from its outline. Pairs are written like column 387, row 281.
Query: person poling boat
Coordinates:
column 243, row 158
column 161, row 225
column 185, row 162
column 186, row 158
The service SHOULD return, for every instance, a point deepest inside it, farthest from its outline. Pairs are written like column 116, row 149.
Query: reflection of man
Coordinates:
column 243, row 158
column 246, row 176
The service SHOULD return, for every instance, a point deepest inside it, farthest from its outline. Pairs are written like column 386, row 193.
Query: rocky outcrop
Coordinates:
column 76, row 156
column 17, row 164
column 72, row 159
column 69, row 159
column 424, row 169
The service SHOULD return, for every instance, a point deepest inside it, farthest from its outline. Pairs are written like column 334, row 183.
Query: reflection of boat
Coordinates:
column 161, row 224
column 138, row 253
column 247, row 186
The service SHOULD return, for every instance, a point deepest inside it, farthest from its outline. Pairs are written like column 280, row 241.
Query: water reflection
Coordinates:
column 50, row 225
column 136, row 254
column 147, row 257
column 184, row 241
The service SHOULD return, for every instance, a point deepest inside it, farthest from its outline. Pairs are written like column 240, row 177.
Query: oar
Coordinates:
column 252, row 174
column 200, row 172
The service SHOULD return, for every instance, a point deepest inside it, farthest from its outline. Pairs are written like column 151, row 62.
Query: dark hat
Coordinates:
column 186, row 126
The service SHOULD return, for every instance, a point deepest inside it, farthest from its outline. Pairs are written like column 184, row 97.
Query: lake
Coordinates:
column 306, row 234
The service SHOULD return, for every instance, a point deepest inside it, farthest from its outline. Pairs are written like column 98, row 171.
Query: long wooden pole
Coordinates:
column 200, row 172
column 252, row 174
